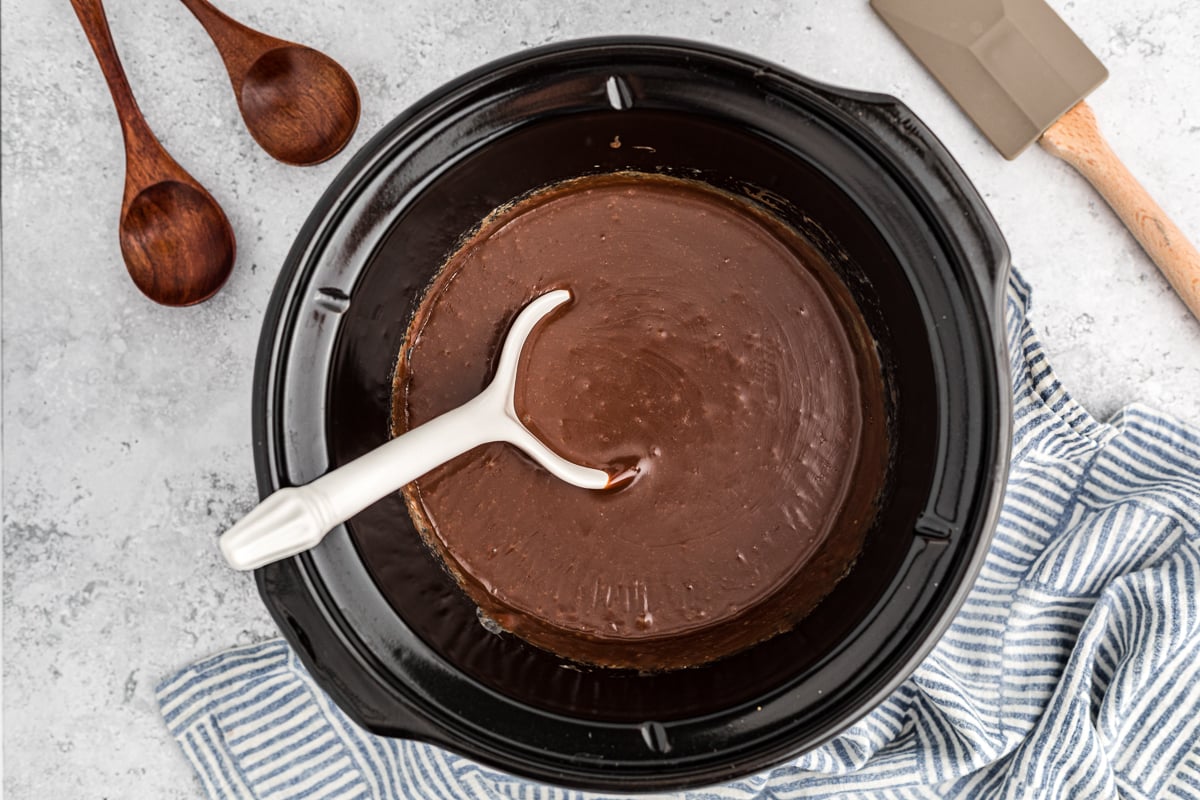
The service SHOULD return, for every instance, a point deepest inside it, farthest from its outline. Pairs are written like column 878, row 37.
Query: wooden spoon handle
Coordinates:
column 239, row 45
column 146, row 161
column 1076, row 139
column 95, row 25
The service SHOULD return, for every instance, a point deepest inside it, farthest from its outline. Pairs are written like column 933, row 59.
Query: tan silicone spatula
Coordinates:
column 1021, row 74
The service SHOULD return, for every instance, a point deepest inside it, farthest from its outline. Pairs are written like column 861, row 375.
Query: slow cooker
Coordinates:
column 401, row 648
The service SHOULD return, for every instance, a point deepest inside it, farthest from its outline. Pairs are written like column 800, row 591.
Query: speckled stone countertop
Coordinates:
column 126, row 428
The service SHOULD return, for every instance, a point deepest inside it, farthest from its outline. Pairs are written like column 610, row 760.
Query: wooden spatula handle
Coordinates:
column 1076, row 139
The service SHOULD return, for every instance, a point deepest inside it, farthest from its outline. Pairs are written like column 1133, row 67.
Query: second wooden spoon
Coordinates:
column 298, row 103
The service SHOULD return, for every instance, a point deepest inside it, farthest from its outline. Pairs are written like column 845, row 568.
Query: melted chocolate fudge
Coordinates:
column 709, row 348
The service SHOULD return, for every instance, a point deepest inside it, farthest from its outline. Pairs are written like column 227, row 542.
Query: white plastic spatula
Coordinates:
column 295, row 519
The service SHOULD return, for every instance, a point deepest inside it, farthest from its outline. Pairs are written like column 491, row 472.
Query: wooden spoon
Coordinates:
column 176, row 241
column 299, row 104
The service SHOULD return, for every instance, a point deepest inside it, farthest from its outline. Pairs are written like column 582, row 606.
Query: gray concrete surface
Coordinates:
column 126, row 426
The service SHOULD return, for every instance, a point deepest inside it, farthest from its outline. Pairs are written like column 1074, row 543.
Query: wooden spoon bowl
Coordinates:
column 304, row 105
column 298, row 103
column 171, row 223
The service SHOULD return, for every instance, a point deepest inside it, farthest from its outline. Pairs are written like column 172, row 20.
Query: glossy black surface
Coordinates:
column 400, row 649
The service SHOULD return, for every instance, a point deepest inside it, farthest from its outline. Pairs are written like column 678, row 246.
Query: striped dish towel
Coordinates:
column 1072, row 670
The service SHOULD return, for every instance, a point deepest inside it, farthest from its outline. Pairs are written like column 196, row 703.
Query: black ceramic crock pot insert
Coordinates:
column 402, row 651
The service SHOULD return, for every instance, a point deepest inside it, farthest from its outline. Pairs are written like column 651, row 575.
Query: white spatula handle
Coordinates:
column 295, row 519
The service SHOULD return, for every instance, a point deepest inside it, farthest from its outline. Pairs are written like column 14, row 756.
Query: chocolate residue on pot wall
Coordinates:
column 709, row 345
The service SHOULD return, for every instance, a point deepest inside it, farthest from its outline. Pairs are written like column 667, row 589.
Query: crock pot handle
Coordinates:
column 317, row 634
column 905, row 143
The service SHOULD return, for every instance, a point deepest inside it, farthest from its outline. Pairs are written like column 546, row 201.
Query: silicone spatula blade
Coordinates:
column 1022, row 75
column 1013, row 65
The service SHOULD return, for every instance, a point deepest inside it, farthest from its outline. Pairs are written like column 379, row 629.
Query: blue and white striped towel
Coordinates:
column 1073, row 669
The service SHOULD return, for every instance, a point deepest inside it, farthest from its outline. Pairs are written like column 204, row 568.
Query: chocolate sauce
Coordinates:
column 710, row 349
